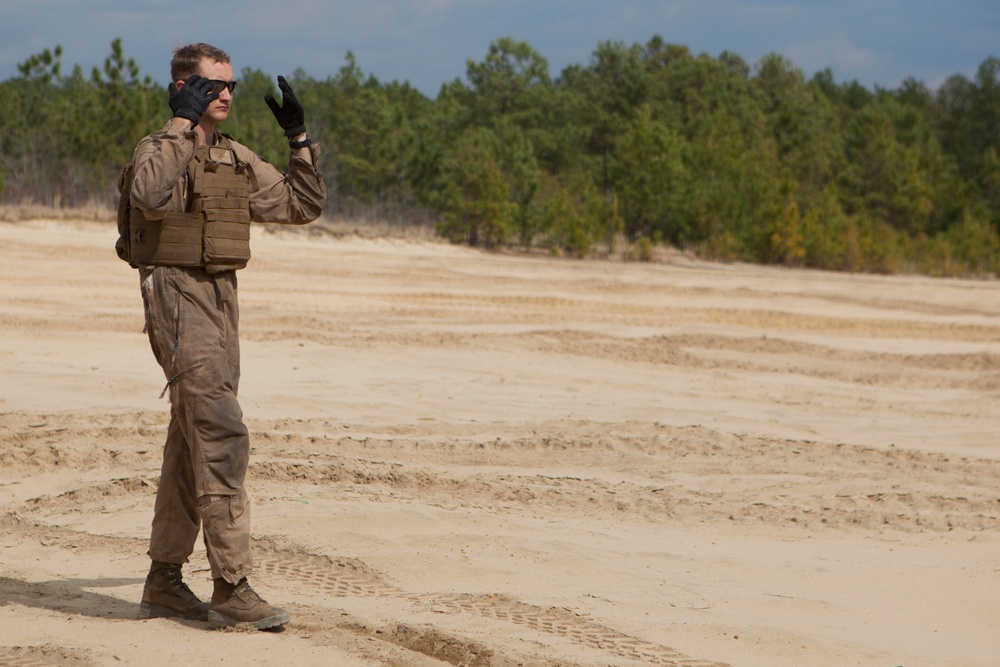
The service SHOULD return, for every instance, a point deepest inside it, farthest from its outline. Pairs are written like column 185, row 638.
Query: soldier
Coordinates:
column 186, row 228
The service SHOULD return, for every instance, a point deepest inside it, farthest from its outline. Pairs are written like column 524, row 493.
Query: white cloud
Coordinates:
column 837, row 53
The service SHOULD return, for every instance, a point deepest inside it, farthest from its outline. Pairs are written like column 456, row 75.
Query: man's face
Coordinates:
column 218, row 110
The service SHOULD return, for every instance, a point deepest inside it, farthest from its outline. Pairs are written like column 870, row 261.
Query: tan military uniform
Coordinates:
column 192, row 319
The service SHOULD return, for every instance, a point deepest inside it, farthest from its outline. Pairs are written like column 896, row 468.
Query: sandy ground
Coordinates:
column 490, row 460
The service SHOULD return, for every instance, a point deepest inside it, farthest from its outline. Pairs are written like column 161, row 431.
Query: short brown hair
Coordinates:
column 187, row 59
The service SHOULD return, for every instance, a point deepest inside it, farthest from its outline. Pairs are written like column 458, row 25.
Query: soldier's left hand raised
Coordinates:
column 290, row 115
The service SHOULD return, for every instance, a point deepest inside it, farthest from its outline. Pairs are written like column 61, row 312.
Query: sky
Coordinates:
column 428, row 42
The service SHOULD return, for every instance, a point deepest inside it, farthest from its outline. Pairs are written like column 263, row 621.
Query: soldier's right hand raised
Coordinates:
column 191, row 100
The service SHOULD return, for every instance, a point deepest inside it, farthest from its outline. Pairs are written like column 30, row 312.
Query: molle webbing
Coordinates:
column 215, row 233
column 173, row 241
column 221, row 194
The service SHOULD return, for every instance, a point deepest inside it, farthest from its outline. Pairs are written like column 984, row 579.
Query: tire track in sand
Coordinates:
column 347, row 577
column 338, row 578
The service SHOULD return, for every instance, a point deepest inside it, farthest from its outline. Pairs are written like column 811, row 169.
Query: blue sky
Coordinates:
column 427, row 42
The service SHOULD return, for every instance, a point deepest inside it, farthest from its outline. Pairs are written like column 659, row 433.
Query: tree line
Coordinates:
column 643, row 145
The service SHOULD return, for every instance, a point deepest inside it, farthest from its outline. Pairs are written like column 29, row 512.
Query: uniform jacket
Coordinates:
column 160, row 182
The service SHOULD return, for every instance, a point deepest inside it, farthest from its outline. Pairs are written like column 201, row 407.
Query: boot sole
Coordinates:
column 222, row 621
column 148, row 610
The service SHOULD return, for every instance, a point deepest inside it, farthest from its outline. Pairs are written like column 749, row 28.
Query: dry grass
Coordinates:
column 335, row 227
column 30, row 211
column 341, row 227
column 354, row 227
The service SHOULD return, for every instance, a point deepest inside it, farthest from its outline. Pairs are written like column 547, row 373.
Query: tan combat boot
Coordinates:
column 235, row 604
column 165, row 595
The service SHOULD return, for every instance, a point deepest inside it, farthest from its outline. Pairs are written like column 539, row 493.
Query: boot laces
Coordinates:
column 176, row 582
column 184, row 588
column 247, row 592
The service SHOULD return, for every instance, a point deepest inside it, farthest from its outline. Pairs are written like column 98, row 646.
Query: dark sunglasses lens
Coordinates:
column 218, row 86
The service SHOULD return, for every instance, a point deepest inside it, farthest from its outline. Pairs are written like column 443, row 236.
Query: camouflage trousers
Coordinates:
column 192, row 320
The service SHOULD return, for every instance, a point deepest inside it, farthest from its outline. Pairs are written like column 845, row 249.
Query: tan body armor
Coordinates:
column 214, row 232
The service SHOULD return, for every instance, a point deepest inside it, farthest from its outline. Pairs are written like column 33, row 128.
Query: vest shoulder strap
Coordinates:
column 241, row 164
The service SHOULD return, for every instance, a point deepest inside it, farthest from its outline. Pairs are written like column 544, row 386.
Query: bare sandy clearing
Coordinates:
column 476, row 459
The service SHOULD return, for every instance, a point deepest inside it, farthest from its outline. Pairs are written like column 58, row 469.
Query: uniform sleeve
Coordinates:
column 161, row 161
column 294, row 198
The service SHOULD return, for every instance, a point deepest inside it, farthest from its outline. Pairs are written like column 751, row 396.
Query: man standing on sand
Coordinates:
column 192, row 197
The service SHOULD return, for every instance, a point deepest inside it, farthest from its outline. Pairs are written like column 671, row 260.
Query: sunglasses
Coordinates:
column 218, row 85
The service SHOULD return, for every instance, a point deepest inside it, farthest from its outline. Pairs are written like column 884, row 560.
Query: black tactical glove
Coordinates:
column 290, row 115
column 193, row 98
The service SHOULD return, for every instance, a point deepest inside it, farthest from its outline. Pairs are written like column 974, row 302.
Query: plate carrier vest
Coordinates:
column 214, row 233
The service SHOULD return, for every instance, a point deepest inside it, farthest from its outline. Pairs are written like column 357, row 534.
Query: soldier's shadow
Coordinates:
column 75, row 597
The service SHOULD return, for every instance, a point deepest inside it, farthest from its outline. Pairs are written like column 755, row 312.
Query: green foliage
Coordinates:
column 645, row 143
column 509, row 83
column 476, row 204
column 574, row 216
column 70, row 135
column 970, row 247
column 652, row 180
